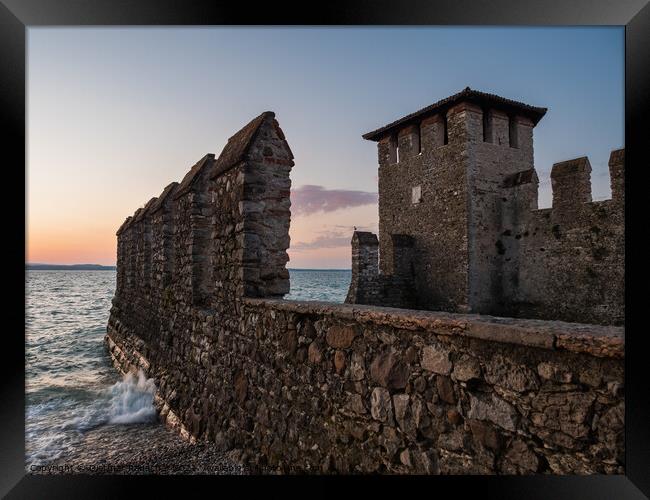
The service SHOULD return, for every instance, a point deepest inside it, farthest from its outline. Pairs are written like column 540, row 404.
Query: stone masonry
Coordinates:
column 458, row 178
column 294, row 386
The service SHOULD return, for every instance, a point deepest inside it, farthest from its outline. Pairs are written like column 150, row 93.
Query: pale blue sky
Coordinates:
column 116, row 114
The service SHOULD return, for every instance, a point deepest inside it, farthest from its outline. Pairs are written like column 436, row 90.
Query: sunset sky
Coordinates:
column 114, row 115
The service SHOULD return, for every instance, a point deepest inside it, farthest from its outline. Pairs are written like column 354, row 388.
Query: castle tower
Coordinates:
column 446, row 175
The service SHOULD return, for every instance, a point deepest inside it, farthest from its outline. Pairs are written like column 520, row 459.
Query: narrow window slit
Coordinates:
column 487, row 129
column 445, row 133
column 512, row 132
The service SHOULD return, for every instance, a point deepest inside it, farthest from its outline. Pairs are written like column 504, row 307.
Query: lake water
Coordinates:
column 71, row 386
column 312, row 284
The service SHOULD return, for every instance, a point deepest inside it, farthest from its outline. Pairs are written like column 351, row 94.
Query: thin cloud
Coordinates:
column 326, row 240
column 310, row 199
column 340, row 236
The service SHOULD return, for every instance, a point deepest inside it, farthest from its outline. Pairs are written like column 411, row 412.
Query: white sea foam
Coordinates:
column 67, row 418
column 132, row 400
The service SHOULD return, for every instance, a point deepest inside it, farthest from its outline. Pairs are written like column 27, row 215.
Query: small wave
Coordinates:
column 132, row 400
column 57, row 417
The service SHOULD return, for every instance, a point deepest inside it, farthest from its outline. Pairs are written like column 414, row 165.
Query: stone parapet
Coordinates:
column 596, row 340
column 335, row 388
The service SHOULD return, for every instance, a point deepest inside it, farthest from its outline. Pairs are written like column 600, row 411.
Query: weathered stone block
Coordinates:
column 436, row 359
column 494, row 409
column 355, row 404
column 380, row 405
column 499, row 370
column 466, row 368
column 445, row 389
column 314, row 353
column 388, row 370
column 404, row 415
column 341, row 336
column 485, row 434
column 519, row 459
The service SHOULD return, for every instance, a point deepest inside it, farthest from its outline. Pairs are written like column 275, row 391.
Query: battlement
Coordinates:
column 169, row 249
column 163, row 201
column 617, row 175
column 369, row 285
column 480, row 100
column 469, row 116
column 458, row 177
column 571, row 183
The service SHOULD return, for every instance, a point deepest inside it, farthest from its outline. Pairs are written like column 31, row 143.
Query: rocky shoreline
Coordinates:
column 141, row 449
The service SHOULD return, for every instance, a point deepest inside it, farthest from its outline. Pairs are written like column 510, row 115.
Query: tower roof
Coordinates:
column 466, row 95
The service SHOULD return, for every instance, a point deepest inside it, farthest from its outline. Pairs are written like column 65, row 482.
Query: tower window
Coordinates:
column 392, row 150
column 487, row 126
column 512, row 132
column 418, row 137
column 445, row 134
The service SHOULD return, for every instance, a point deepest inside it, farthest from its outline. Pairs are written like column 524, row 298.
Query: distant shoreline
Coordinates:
column 70, row 267
column 319, row 270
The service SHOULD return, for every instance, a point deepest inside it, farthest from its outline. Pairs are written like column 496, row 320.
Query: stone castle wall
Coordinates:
column 567, row 261
column 338, row 388
column 319, row 387
column 462, row 185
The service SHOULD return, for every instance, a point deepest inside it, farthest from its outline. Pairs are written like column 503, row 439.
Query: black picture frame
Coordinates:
column 17, row 15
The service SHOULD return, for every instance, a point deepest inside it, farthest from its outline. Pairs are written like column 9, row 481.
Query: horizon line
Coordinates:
column 115, row 265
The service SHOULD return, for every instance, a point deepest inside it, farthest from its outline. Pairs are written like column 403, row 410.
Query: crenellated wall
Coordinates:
column 321, row 387
column 204, row 243
column 566, row 261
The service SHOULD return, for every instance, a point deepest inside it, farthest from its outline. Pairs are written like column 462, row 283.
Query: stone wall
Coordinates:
column 318, row 387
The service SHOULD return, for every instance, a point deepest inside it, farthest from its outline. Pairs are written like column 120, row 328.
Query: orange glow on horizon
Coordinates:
column 88, row 245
